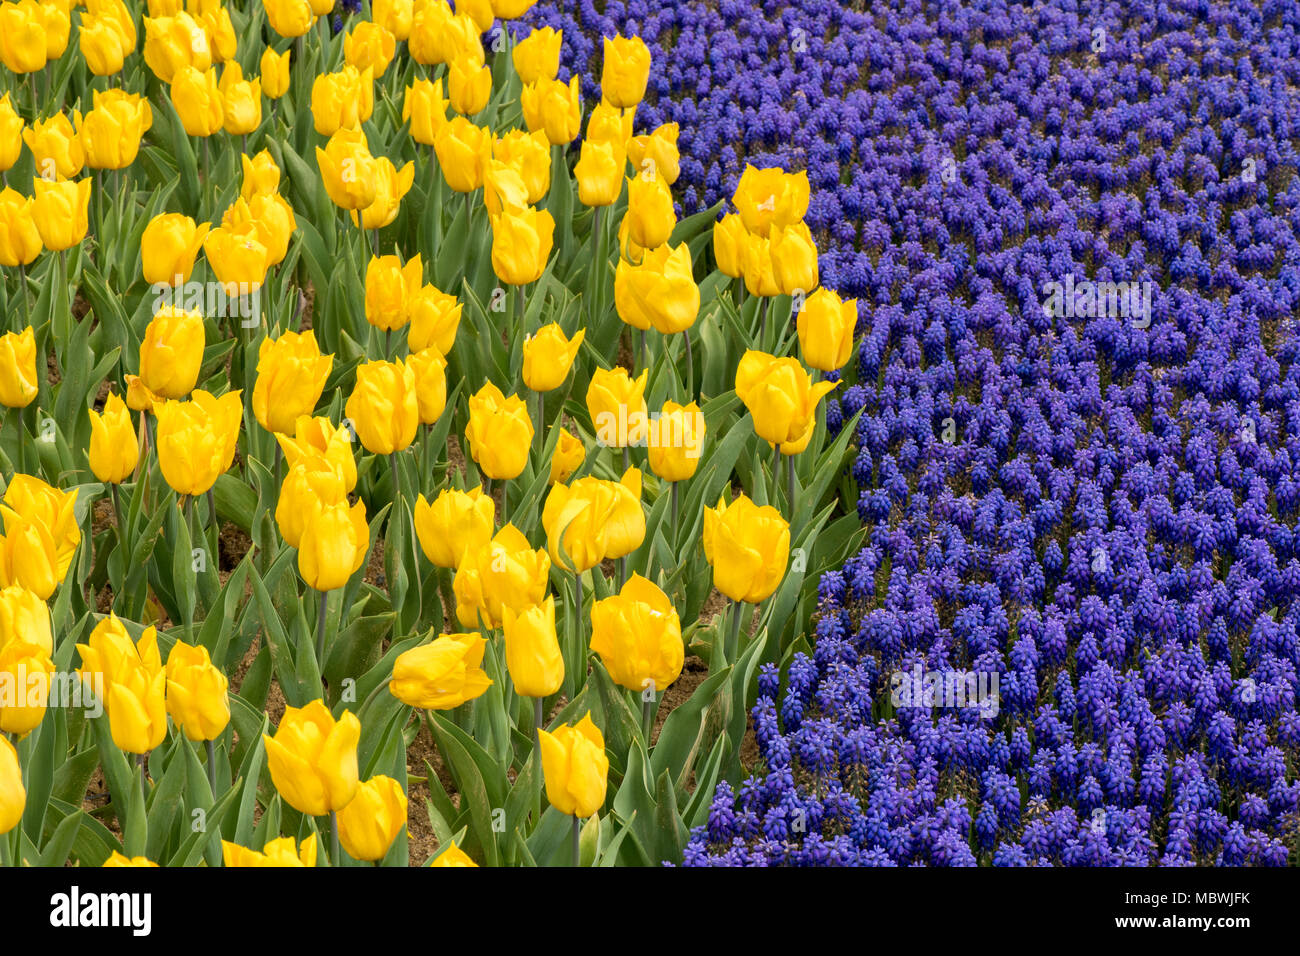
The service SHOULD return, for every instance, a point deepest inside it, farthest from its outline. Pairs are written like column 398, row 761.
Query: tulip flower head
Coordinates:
column 442, row 674
column 575, row 768
column 506, row 572
column 313, row 758
column 748, row 547
column 638, row 636
column 372, row 820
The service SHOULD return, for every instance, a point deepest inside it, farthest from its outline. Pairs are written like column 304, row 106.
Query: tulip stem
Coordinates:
column 647, row 716
column 320, row 630
column 690, row 366
column 538, row 717
column 20, row 466
column 576, row 840
column 577, row 580
column 27, row 305
column 641, row 360
column 279, row 460
column 541, row 426
column 674, row 522
column 144, row 782
column 762, row 333
column 789, row 482
column 733, row 632
column 119, row 520
column 776, row 476
column 212, row 766
column 397, row 484
column 335, row 855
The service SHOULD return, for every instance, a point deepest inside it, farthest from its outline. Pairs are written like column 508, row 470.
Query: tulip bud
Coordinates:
column 334, row 545
column 575, row 768
column 342, row 100
column 280, row 852
column 658, row 291
column 453, row 856
column 394, row 16
column 168, row 247
column 463, row 150
column 11, row 134
column 370, row 823
column 313, row 758
column 430, row 370
column 172, row 352
column 555, row 107
column 530, row 155
column 25, row 671
column 25, row 619
column 469, row 85
column 537, row 56
column 426, row 108
column 41, row 535
column 826, row 325
column 638, row 636
column 548, row 356
column 197, row 99
column 23, row 41
column 729, row 245
column 369, row 45
column 435, row 317
column 274, row 73
column 289, row 18
column 781, row 398
column 348, row 170
column 238, row 257
column 456, row 520
column 599, row 172
column 794, row 259
column 20, row 241
column 113, row 448
column 760, row 273
column 616, row 403
column 650, row 214
column 18, row 383
column 506, row 572
column 133, row 677
column 748, row 547
column 384, row 407
column 13, row 795
column 196, row 439
column 568, row 457
column 110, row 133
column 196, row 692
column 391, row 184
column 388, row 286
column 655, row 155
column 56, row 149
column 172, row 43
column 768, row 197
column 500, row 432
column 521, row 243
column 441, row 675
column 260, row 174
column 533, row 650
column 291, row 374
column 676, row 440
column 626, row 71
column 319, row 437
column 241, row 101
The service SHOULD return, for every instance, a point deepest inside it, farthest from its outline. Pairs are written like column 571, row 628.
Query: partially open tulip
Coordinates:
column 537, row 56
column 553, row 106
column 530, row 155
column 25, row 671
column 394, row 16
column 41, row 535
column 384, row 407
column 273, row 71
column 370, row 823
column 369, row 45
column 104, row 44
column 215, row 20
column 463, row 150
column 599, row 172
column 13, row 795
column 289, row 18
column 174, row 42
column 456, row 521
column 430, row 368
column 575, row 768
column 23, row 41
column 11, row 134
column 826, row 325
column 435, row 317
column 58, row 26
column 238, row 257
column 291, row 374
column 280, row 852
column 266, row 216
column 261, row 176
column 431, row 22
column 503, row 187
column 168, row 246
column 594, row 519
column 779, row 395
column 758, row 269
column 626, row 70
column 334, row 545
column 113, row 449
column 469, row 85
column 548, row 356
column 568, row 457
column 650, row 214
column 348, row 170
column 56, row 148
column 748, row 547
column 197, row 99
column 453, row 856
column 320, row 436
column 425, row 106
column 506, row 572
column 196, row 692
column 442, row 674
column 500, row 432
column 110, row 133
column 313, row 482
column 638, row 636
column 533, row 655
column 313, row 758
column 342, row 100
column 729, row 245
column 389, row 285
column 655, row 155
column 171, row 354
column 25, row 619
column 616, row 403
column 794, row 259
column 768, row 197
column 241, row 100
column 18, row 384
column 522, row 239
column 658, row 291
column 20, row 241
column 116, row 859
column 132, row 675
column 196, row 439
column 675, row 441
column 391, row 185
column 611, row 125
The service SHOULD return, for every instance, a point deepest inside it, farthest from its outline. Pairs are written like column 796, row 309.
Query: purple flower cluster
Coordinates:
column 1097, row 504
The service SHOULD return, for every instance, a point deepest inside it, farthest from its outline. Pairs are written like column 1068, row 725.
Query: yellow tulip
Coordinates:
column 441, row 675
column 530, row 155
column 533, row 650
column 174, row 42
column 196, row 692
column 626, row 70
column 313, row 758
column 555, row 107
column 13, row 795
column 241, row 100
column 455, row 522
column 260, row 175
column 676, row 440
column 342, row 100
column 370, row 823
column 575, row 768
column 291, row 374
column 503, row 187
column 616, row 403
column 280, row 852
column 511, row 9
column 479, row 11
column 319, row 436
column 431, row 22
column 197, row 99
column 18, row 384
column 25, row 671
column 20, row 241
column 103, row 45
column 537, row 56
column 391, row 185
column 500, row 432
column 759, row 271
column 548, row 356
column 168, row 247
column 638, row 636
column 25, row 619
column 41, row 535
column 389, row 284
column 453, row 856
column 521, row 243
column 599, row 172
column 313, row 482
column 469, row 85
column 771, row 197
column 172, row 352
column 568, row 457
column 273, row 70
column 748, row 547
column 383, row 406
column 794, row 259
column 334, row 545
column 23, row 40
column 430, row 370
column 660, row 290
column 779, row 395
column 594, row 519
column 196, row 439
column 426, row 108
column 611, row 125
column 58, row 26
column 434, row 319
column 826, row 325
column 56, row 148
column 216, row 22
column 369, row 45
column 11, row 134
column 506, row 572
column 117, row 859
column 463, row 150
column 348, row 170
column 394, row 16
column 238, row 257
column 321, row 7
column 132, row 675
column 289, row 18
column 268, row 219
column 655, row 155
column 113, row 449
column 650, row 214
